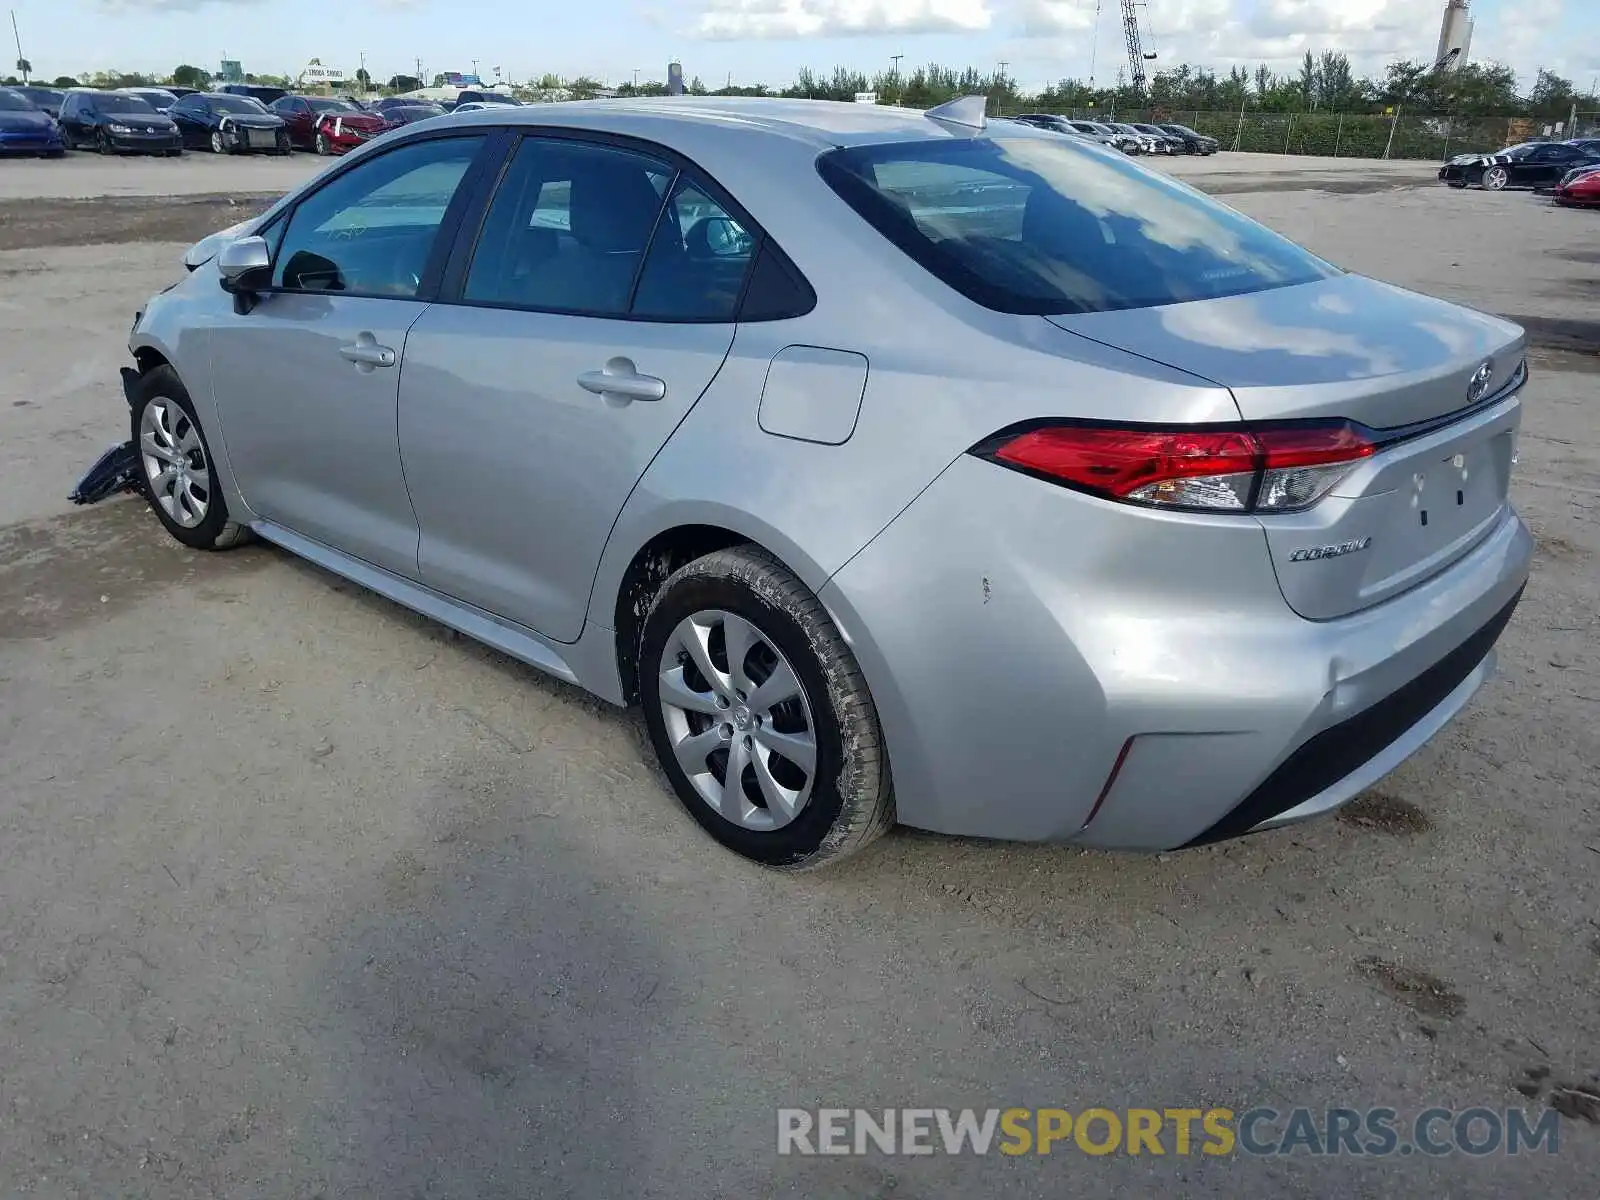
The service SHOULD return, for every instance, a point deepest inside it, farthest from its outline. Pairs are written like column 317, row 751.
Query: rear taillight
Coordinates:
column 1280, row 468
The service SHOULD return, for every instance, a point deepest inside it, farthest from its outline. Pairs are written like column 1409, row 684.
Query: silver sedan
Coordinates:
column 900, row 466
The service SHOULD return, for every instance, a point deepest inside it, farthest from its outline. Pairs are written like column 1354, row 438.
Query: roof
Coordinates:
column 818, row 122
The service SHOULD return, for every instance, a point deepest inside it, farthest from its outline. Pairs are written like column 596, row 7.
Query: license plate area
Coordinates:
column 259, row 139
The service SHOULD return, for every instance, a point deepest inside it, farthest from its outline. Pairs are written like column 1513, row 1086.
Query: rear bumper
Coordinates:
column 1048, row 666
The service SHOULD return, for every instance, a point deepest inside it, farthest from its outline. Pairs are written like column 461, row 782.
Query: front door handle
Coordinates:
column 366, row 353
column 620, row 382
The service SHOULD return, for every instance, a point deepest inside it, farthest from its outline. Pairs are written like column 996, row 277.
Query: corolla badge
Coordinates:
column 1337, row 550
column 1478, row 385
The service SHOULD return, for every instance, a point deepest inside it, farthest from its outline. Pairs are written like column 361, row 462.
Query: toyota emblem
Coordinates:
column 1478, row 385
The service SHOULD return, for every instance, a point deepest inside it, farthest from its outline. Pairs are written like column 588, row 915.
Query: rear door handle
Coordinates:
column 619, row 380
column 366, row 353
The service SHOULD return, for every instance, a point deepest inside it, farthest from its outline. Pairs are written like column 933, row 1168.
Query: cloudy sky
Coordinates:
column 769, row 40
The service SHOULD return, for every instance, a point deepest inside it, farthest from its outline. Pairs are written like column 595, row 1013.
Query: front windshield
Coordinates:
column 11, row 102
column 417, row 112
column 125, row 105
column 333, row 106
column 237, row 104
column 1035, row 225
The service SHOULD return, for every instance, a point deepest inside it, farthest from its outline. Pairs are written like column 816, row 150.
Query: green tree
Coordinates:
column 403, row 83
column 185, row 75
column 1551, row 95
column 584, row 88
column 364, row 78
column 696, row 88
column 64, row 81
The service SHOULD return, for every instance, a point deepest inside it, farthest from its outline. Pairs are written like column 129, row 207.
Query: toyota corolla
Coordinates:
column 899, row 466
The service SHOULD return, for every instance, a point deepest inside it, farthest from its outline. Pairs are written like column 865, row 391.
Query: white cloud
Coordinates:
column 1047, row 18
column 728, row 20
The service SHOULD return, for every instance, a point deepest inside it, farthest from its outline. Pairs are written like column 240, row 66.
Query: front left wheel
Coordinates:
column 760, row 715
column 176, row 470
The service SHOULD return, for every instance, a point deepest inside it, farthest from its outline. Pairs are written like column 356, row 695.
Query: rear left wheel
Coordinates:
column 760, row 715
column 102, row 142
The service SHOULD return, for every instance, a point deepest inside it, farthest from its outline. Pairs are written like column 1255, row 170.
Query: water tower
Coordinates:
column 1455, row 34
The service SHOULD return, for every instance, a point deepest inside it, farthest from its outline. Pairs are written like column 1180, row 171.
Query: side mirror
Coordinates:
column 245, row 267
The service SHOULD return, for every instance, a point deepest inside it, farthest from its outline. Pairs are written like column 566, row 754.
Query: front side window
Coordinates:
column 568, row 229
column 370, row 230
column 1026, row 225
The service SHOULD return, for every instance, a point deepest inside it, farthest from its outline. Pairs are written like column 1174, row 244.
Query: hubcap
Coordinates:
column 738, row 720
column 175, row 462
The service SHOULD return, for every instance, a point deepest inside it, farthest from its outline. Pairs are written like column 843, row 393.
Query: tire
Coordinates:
column 218, row 146
column 214, row 530
column 1495, row 179
column 321, row 145
column 102, row 142
column 846, row 802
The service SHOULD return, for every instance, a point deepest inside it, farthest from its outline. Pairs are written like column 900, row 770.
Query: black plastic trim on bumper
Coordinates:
column 1343, row 748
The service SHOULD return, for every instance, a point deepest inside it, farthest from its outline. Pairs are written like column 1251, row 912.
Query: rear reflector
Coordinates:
column 1270, row 469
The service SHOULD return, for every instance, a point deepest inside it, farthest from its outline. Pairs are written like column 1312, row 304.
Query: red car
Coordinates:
column 1580, row 189
column 326, row 124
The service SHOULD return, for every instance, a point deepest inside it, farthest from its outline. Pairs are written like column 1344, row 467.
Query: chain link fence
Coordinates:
column 1346, row 135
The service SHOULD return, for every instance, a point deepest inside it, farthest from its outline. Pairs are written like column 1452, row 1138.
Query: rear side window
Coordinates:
column 1029, row 225
column 608, row 232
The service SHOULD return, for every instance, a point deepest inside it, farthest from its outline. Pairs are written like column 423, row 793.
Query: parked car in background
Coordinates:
column 1051, row 121
column 1589, row 145
column 410, row 114
column 301, row 115
column 116, row 123
column 484, row 96
column 1166, row 143
column 338, row 132
column 159, row 99
column 256, row 91
column 43, row 98
column 1193, row 143
column 227, row 123
column 181, row 91
column 1526, row 165
column 1160, row 530
column 1579, row 188
column 480, row 105
column 1146, row 143
column 26, row 129
column 1105, row 134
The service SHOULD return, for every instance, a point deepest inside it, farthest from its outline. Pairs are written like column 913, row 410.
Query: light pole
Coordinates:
column 22, row 61
column 361, row 75
column 895, row 59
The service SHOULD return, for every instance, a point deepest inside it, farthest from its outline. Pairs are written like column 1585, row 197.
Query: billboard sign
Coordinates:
column 316, row 73
column 232, row 71
column 674, row 79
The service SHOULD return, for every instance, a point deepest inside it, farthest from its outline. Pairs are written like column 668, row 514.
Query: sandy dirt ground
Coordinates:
column 306, row 897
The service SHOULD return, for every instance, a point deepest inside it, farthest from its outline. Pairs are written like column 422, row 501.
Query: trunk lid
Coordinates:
column 1441, row 378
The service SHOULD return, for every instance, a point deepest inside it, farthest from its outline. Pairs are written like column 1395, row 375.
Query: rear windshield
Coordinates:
column 1036, row 225
column 12, row 102
column 319, row 104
